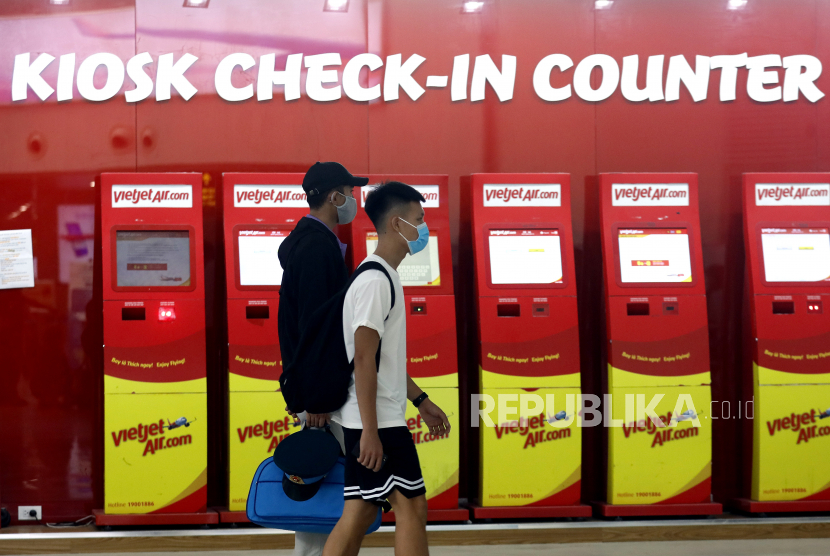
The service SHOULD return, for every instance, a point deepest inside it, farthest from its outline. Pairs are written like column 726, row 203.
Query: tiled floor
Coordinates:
column 781, row 547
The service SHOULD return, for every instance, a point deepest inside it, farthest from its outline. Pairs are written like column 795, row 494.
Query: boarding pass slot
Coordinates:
column 508, row 309
column 133, row 313
column 783, row 307
column 257, row 312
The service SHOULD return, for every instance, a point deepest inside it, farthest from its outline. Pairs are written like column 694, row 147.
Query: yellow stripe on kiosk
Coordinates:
column 257, row 423
column 155, row 454
column 667, row 462
column 534, row 456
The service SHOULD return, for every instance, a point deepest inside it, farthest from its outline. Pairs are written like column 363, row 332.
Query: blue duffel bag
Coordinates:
column 269, row 506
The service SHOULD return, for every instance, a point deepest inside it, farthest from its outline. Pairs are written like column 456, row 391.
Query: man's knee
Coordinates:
column 410, row 508
column 362, row 512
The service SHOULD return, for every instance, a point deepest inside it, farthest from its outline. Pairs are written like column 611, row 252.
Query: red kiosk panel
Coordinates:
column 259, row 211
column 525, row 281
column 153, row 256
column 657, row 347
column 655, row 292
column 787, row 239
column 155, row 407
column 526, row 315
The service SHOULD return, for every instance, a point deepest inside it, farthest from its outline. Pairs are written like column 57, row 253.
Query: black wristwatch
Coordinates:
column 419, row 400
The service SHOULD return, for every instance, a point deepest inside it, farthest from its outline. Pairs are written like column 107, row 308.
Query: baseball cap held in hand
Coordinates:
column 305, row 458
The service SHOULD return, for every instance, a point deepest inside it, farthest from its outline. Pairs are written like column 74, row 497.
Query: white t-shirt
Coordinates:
column 367, row 304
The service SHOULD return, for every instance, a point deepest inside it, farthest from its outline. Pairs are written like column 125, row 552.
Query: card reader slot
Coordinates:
column 508, row 309
column 783, row 307
column 257, row 312
column 132, row 313
column 637, row 309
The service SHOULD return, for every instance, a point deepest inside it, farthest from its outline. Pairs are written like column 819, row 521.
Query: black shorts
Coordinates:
column 401, row 471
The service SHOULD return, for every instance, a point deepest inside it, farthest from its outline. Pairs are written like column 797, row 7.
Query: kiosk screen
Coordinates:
column 528, row 256
column 796, row 254
column 654, row 255
column 150, row 258
column 258, row 261
column 421, row 269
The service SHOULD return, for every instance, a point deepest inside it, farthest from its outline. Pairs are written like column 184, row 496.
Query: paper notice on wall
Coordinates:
column 16, row 261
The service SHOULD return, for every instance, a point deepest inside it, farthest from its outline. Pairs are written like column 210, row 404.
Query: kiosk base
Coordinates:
column 227, row 516
column 102, row 519
column 641, row 510
column 529, row 512
column 780, row 506
column 451, row 514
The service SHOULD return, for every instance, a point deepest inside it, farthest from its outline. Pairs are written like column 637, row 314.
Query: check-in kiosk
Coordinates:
column 659, row 434
column 787, row 342
column 528, row 346
column 259, row 212
column 431, row 347
column 155, row 406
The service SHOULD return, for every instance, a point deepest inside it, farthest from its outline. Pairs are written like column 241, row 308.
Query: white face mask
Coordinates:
column 347, row 211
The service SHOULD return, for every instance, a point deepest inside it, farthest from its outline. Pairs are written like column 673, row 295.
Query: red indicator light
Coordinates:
column 167, row 314
column 814, row 307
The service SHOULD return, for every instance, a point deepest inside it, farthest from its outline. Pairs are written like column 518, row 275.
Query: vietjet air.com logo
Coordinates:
column 159, row 196
column 269, row 196
column 803, row 424
column 523, row 195
column 429, row 192
column 152, row 435
column 792, row 194
column 650, row 195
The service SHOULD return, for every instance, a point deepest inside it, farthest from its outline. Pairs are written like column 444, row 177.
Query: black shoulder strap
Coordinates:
column 374, row 265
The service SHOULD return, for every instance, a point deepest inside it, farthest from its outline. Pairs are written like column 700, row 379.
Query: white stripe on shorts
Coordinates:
column 415, row 484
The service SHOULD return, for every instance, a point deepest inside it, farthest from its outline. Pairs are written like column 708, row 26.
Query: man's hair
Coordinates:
column 317, row 201
column 388, row 197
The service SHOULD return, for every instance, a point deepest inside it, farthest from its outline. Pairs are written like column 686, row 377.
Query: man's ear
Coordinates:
column 390, row 224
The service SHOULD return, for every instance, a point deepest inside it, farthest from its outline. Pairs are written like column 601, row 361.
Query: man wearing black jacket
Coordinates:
column 314, row 270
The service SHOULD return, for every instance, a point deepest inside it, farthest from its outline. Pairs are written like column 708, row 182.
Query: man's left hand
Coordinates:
column 435, row 419
column 317, row 420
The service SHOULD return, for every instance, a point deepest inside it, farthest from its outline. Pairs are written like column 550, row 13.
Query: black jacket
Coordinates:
column 313, row 271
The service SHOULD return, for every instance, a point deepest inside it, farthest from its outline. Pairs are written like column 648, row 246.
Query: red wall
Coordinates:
column 50, row 375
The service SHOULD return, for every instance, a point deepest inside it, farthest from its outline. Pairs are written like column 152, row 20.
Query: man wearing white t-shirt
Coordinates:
column 381, row 461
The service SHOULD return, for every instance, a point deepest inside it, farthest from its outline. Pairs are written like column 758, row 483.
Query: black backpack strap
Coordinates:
column 374, row 265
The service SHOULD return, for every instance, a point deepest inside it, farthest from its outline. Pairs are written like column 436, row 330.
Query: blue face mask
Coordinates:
column 423, row 238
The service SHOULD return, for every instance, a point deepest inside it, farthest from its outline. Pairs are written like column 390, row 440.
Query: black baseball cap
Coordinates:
column 305, row 458
column 325, row 176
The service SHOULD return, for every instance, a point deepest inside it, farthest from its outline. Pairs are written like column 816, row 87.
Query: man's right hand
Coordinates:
column 371, row 451
column 318, row 420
